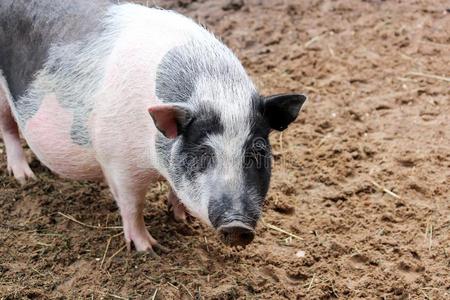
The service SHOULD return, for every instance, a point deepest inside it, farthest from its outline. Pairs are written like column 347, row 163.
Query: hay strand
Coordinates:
column 391, row 193
column 276, row 228
column 69, row 217
column 432, row 76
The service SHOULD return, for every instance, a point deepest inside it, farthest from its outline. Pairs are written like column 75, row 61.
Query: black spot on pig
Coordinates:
column 29, row 28
column 191, row 156
column 182, row 66
column 257, row 165
column 176, row 76
column 195, row 156
column 44, row 40
column 79, row 132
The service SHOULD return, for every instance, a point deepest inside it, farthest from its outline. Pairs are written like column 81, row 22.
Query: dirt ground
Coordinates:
column 361, row 180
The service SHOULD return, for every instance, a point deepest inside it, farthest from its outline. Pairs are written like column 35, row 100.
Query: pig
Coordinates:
column 128, row 94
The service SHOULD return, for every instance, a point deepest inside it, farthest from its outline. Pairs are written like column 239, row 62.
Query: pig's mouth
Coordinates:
column 236, row 233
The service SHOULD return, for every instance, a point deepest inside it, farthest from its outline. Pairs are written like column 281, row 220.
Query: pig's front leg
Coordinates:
column 130, row 197
column 179, row 211
column 16, row 160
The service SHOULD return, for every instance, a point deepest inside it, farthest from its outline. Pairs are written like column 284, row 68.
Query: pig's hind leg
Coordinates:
column 15, row 156
column 129, row 194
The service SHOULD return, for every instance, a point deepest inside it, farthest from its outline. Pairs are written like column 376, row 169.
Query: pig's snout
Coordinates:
column 236, row 233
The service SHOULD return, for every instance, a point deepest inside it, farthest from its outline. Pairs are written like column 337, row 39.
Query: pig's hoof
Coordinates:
column 149, row 251
column 148, row 248
column 179, row 213
column 152, row 253
column 21, row 171
column 161, row 248
column 178, row 209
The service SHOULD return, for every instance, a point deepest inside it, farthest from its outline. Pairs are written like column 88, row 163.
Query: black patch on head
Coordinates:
column 192, row 156
column 258, row 153
column 204, row 123
column 258, row 159
column 176, row 76
column 182, row 66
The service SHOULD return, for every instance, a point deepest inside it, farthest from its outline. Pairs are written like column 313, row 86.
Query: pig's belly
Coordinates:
column 48, row 135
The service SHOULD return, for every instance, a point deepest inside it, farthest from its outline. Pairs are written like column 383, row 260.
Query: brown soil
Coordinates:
column 376, row 119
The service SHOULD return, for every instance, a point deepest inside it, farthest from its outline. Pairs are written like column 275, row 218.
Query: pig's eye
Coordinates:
column 197, row 158
column 256, row 155
column 259, row 145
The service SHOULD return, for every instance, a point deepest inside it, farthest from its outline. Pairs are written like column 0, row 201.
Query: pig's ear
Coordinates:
column 170, row 119
column 281, row 110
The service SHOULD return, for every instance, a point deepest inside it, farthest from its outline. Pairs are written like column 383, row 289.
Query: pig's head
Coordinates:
column 214, row 146
column 220, row 169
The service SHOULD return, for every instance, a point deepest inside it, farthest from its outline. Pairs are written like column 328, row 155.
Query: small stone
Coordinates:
column 300, row 253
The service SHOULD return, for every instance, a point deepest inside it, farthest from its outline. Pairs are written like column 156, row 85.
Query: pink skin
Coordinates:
column 164, row 117
column 16, row 161
column 130, row 197
column 123, row 135
column 48, row 134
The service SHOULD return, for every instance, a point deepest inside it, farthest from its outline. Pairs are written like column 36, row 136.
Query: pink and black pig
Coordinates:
column 129, row 94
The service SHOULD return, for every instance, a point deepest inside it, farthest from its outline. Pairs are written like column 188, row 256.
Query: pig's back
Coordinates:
column 52, row 61
column 28, row 29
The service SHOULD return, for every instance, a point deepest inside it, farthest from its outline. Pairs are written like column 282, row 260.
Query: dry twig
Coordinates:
column 154, row 294
column 281, row 230
column 106, row 251
column 117, row 252
column 206, row 243
column 113, row 296
column 87, row 225
column 171, row 284
column 432, row 76
column 192, row 297
column 311, row 283
column 385, row 189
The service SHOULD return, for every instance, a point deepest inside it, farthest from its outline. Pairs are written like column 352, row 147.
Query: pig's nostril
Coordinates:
column 224, row 235
column 246, row 237
column 233, row 235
